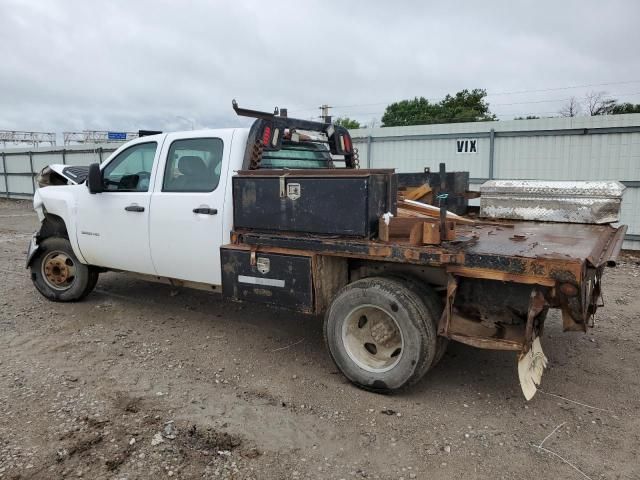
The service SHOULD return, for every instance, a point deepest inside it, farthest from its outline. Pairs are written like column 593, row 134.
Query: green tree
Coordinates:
column 347, row 122
column 528, row 117
column 625, row 108
column 464, row 106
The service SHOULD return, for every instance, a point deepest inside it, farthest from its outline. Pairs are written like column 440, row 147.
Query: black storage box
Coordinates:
column 457, row 187
column 331, row 202
column 276, row 279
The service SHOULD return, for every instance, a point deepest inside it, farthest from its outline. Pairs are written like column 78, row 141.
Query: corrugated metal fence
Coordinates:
column 579, row 148
column 18, row 167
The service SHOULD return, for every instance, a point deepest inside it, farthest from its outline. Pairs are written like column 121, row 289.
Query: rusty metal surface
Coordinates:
column 552, row 201
column 508, row 325
column 526, row 250
column 529, row 252
column 560, row 265
column 354, row 248
column 571, row 242
column 319, row 173
column 566, row 260
column 610, row 255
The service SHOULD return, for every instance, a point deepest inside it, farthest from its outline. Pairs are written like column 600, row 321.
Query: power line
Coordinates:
column 628, row 82
column 560, row 99
column 489, row 94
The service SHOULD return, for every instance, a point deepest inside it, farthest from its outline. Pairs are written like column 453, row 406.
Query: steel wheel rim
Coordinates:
column 58, row 270
column 372, row 338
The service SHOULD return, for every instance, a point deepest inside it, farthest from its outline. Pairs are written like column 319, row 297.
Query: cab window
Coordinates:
column 130, row 171
column 193, row 165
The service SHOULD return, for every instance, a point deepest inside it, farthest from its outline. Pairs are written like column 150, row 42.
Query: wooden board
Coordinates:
column 417, row 192
column 431, row 211
column 401, row 227
column 430, row 233
column 417, row 230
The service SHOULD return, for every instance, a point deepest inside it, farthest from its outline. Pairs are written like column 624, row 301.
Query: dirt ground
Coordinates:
column 142, row 382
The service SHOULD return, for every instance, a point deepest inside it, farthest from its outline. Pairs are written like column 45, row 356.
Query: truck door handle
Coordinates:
column 134, row 208
column 205, row 210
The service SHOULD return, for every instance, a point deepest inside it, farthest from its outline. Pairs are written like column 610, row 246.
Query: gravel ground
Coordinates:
column 142, row 382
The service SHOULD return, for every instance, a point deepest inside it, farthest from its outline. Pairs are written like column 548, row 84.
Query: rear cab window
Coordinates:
column 297, row 155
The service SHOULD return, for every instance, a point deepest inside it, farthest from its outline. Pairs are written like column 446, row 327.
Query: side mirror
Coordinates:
column 94, row 179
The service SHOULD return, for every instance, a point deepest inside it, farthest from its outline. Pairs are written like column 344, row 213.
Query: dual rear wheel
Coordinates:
column 382, row 332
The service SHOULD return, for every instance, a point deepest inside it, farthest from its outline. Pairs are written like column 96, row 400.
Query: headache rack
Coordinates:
column 272, row 134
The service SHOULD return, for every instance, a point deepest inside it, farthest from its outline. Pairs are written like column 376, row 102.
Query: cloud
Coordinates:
column 123, row 65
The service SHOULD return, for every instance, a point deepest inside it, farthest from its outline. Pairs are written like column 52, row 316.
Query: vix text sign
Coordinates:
column 467, row 145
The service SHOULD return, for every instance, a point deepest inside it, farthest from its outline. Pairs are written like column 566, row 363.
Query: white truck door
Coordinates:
column 186, row 224
column 113, row 226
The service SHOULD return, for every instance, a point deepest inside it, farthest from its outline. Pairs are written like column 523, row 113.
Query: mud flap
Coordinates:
column 33, row 248
column 530, row 368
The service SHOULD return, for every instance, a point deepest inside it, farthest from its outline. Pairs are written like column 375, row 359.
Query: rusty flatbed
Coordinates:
column 381, row 253
column 520, row 249
column 559, row 241
column 547, row 264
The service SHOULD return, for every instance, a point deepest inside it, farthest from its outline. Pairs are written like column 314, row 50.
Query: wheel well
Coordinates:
column 434, row 276
column 52, row 226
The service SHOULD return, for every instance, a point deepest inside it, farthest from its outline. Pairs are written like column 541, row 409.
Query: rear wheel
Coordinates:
column 434, row 304
column 57, row 273
column 380, row 334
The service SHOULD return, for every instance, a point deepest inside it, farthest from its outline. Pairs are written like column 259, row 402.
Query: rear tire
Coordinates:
column 434, row 304
column 57, row 273
column 380, row 334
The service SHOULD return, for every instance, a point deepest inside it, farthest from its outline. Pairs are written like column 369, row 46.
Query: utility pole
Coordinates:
column 187, row 119
column 326, row 118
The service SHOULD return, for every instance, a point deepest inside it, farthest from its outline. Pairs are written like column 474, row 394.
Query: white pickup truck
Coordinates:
column 301, row 233
column 164, row 211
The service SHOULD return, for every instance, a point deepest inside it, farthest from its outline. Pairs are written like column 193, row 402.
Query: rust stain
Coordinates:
column 380, row 251
column 477, row 334
column 411, row 254
column 487, row 343
column 503, row 276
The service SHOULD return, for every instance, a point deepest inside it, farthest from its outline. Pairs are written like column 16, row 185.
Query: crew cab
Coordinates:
column 162, row 206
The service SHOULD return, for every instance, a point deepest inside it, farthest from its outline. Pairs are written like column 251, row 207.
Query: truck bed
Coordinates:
column 533, row 265
column 529, row 252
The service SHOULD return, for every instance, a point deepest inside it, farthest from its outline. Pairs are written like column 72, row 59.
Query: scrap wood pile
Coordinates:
column 415, row 202
column 418, row 221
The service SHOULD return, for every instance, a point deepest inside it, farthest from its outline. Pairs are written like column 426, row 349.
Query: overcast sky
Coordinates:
column 125, row 65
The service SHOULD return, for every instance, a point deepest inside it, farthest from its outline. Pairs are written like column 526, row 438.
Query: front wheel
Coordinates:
column 380, row 334
column 58, row 274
